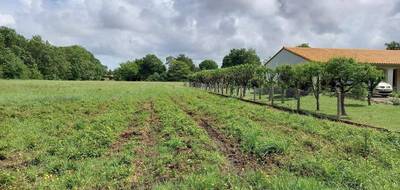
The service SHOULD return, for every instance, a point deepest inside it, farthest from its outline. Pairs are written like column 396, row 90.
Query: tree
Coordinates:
column 45, row 61
column 84, row 66
column 128, row 71
column 12, row 66
column 149, row 65
column 392, row 45
column 371, row 77
column 314, row 72
column 285, row 78
column 271, row 80
column 300, row 81
column 304, row 45
column 343, row 74
column 187, row 60
column 259, row 80
column 208, row 65
column 178, row 71
column 240, row 57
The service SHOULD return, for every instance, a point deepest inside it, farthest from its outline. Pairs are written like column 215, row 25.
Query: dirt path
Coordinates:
column 127, row 134
column 145, row 150
column 229, row 147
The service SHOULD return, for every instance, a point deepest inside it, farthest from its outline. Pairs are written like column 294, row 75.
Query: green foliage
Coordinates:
column 149, row 65
column 148, row 68
column 371, row 78
column 116, row 135
column 128, row 71
column 285, row 76
column 11, row 66
column 178, row 71
column 208, row 64
column 36, row 59
column 304, row 45
column 187, row 60
column 157, row 77
column 240, row 57
column 344, row 74
column 359, row 92
column 392, row 45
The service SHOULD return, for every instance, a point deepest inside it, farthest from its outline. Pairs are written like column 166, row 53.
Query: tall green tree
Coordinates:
column 392, row 45
column 178, row 71
column 187, row 60
column 240, row 57
column 271, row 81
column 314, row 72
column 371, row 77
column 128, row 71
column 208, row 64
column 285, row 76
column 46, row 61
column 12, row 66
column 84, row 66
column 149, row 65
column 300, row 81
column 344, row 74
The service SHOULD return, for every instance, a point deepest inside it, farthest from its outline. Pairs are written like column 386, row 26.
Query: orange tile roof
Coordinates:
column 361, row 55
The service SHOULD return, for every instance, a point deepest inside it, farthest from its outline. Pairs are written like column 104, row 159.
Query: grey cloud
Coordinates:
column 125, row 29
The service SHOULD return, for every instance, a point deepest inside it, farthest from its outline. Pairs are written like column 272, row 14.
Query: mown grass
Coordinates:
column 378, row 115
column 121, row 135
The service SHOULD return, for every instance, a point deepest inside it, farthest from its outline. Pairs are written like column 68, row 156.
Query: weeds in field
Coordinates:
column 94, row 135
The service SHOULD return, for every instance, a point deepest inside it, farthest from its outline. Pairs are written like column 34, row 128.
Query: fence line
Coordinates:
column 307, row 113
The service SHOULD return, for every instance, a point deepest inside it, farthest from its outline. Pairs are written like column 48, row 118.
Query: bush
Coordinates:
column 395, row 101
column 359, row 92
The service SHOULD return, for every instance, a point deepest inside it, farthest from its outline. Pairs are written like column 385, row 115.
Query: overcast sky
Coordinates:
column 118, row 30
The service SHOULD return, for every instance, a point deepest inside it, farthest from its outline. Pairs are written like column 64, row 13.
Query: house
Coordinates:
column 387, row 60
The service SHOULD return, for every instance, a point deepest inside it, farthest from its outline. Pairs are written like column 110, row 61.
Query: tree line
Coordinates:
column 22, row 58
column 178, row 68
column 339, row 75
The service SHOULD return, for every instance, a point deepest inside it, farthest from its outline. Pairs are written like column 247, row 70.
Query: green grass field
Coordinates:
column 378, row 115
column 125, row 135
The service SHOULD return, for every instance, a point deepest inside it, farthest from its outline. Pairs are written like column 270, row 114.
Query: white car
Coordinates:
column 383, row 89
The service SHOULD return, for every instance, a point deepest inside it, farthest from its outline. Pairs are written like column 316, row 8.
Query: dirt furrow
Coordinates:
column 127, row 134
column 145, row 150
column 228, row 146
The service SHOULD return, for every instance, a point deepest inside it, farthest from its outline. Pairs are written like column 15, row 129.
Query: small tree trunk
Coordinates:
column 369, row 97
column 254, row 93
column 298, row 99
column 339, row 107
column 342, row 97
column 237, row 91
column 259, row 93
column 283, row 96
column 271, row 93
column 226, row 90
column 317, row 98
column 244, row 91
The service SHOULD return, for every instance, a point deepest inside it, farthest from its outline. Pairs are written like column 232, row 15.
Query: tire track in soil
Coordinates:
column 229, row 147
column 146, row 150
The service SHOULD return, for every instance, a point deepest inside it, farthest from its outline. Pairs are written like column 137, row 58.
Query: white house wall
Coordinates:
column 285, row 57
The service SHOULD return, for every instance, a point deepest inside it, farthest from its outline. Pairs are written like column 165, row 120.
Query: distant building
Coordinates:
column 387, row 60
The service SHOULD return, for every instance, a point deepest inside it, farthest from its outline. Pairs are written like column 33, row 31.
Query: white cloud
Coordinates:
column 6, row 20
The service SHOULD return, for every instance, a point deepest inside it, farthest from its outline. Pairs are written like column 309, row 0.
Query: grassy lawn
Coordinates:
column 144, row 135
column 379, row 115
